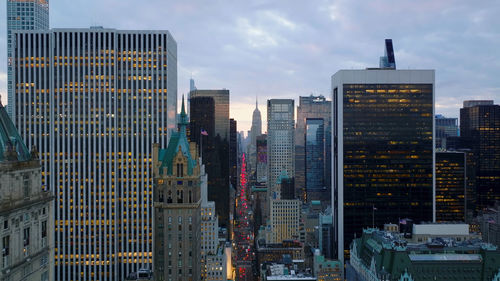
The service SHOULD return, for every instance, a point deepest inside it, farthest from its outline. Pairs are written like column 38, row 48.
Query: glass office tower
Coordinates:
column 383, row 157
column 216, row 159
column 315, row 154
column 311, row 109
column 23, row 15
column 94, row 101
column 479, row 131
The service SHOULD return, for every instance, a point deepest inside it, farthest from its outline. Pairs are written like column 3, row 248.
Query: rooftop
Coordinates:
column 12, row 147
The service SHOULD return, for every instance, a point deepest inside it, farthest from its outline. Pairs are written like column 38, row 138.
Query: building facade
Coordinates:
column 26, row 221
column 94, row 101
column 22, row 15
column 384, row 151
column 221, row 101
column 261, row 159
column 202, row 118
column 213, row 258
column 284, row 220
column 479, row 123
column 280, row 141
column 450, row 186
column 313, row 149
column 178, row 176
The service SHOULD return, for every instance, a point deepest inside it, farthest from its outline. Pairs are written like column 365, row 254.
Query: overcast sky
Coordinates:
column 285, row 49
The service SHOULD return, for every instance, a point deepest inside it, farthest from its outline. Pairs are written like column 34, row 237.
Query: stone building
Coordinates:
column 26, row 220
column 177, row 207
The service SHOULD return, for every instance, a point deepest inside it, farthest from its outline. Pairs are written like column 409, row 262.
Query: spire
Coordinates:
column 183, row 111
column 183, row 118
column 256, row 103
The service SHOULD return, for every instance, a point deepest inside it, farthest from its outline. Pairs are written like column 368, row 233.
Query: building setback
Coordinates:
column 383, row 162
column 26, row 221
column 22, row 15
column 94, row 101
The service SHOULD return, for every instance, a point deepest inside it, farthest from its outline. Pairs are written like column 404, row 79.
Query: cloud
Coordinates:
column 255, row 36
column 288, row 48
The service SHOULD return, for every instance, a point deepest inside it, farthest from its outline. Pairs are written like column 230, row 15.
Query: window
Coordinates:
column 5, row 224
column 5, row 245
column 26, row 236
column 44, row 229
column 26, row 186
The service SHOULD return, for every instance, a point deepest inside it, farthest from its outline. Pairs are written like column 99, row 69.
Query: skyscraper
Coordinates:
column 445, row 128
column 383, row 161
column 313, row 149
column 94, row 101
column 221, row 101
column 23, row 15
column 256, row 129
column 178, row 176
column 479, row 131
column 202, row 118
column 216, row 156
column 233, row 152
column 450, row 186
column 280, row 142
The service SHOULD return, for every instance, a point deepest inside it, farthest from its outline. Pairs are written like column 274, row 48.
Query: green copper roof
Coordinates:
column 10, row 138
column 283, row 176
column 315, row 202
column 178, row 142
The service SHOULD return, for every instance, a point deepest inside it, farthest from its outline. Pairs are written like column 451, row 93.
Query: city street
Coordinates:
column 244, row 254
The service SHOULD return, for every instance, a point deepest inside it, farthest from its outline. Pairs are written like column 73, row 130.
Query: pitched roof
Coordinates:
column 178, row 142
column 10, row 139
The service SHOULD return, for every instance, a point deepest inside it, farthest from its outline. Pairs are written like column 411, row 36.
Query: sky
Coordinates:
column 291, row 48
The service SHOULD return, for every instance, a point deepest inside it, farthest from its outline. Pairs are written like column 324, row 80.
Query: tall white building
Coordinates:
column 280, row 141
column 23, row 15
column 94, row 101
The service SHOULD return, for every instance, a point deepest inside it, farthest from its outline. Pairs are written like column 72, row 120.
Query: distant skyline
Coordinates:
column 287, row 49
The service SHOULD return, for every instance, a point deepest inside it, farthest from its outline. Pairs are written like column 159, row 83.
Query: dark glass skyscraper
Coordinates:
column 315, row 154
column 202, row 110
column 313, row 149
column 383, row 156
column 480, row 132
column 450, row 186
column 214, row 119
